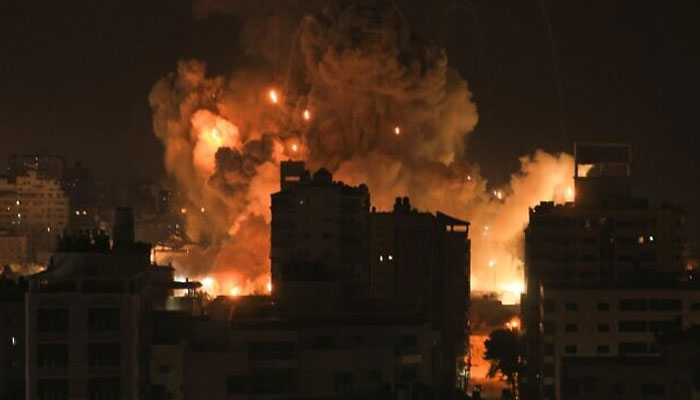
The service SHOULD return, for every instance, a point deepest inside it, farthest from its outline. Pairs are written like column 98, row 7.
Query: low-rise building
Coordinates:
column 88, row 317
column 612, row 322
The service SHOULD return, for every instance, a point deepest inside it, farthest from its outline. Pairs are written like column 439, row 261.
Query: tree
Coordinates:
column 503, row 350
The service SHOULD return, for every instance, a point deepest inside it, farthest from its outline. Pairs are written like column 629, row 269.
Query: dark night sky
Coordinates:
column 75, row 76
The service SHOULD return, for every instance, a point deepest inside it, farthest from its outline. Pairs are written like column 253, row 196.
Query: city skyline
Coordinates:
column 355, row 199
column 103, row 96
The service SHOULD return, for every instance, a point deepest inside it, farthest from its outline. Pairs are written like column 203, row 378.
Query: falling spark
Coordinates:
column 307, row 115
column 295, row 148
column 469, row 177
column 202, row 209
column 397, row 130
column 269, row 287
column 498, row 194
column 486, row 230
column 273, row 96
column 183, row 210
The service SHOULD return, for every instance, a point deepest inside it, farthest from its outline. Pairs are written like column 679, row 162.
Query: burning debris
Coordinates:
column 360, row 70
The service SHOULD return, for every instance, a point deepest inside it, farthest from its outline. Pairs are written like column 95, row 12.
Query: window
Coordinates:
column 236, row 384
column 652, row 389
column 632, row 326
column 571, row 349
column 108, row 388
column 548, row 369
column 104, row 319
column 603, row 306
column 571, row 328
column 549, row 306
column 548, row 349
column 590, row 385
column 272, row 380
column 618, row 389
column 342, row 381
column 571, row 306
column 372, row 376
column 52, row 355
column 588, row 257
column 633, row 305
column 548, row 327
column 632, row 348
column 164, row 369
column 665, row 305
column 662, row 326
column 271, row 350
column 408, row 374
column 408, row 341
column 323, row 342
column 52, row 389
column 52, row 320
column 603, row 328
column 104, row 354
column 603, row 349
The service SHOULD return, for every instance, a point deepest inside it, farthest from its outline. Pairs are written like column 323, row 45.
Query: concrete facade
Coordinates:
column 36, row 207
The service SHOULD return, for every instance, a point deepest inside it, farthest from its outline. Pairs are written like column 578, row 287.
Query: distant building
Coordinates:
column 34, row 206
column 88, row 317
column 46, row 166
column 80, row 188
column 604, row 248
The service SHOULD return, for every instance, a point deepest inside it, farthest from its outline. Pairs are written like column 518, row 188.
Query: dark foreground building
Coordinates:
column 365, row 305
column 606, row 277
column 88, row 328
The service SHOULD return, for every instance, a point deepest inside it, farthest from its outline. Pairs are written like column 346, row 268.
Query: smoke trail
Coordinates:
column 356, row 89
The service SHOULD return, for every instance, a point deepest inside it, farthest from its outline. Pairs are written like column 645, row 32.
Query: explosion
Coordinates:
column 360, row 70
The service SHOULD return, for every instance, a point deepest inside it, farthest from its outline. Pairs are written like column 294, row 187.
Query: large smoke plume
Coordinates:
column 350, row 89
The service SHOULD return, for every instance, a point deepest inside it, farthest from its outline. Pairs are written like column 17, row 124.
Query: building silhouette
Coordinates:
column 104, row 322
column 89, row 327
column 605, row 275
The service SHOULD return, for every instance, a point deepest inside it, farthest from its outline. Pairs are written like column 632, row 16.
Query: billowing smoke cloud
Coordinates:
column 349, row 89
